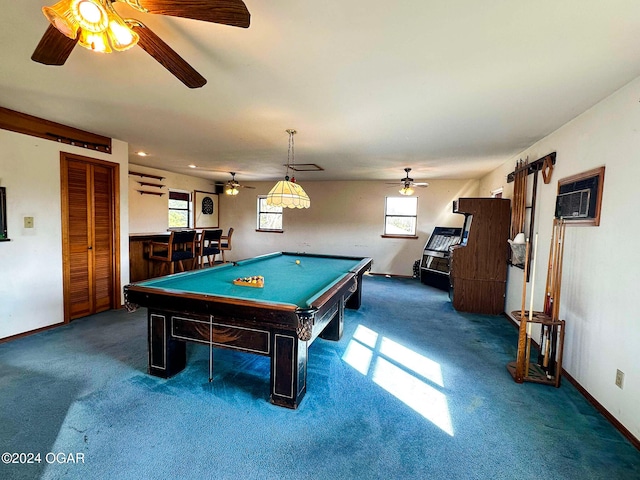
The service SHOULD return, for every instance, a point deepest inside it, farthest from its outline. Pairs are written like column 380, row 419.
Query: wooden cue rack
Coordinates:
column 547, row 369
column 523, row 169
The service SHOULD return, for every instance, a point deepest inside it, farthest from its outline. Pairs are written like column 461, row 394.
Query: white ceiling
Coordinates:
column 451, row 88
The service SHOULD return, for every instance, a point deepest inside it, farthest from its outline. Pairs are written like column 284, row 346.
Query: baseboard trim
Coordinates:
column 605, row 413
column 31, row 332
column 598, row 406
column 390, row 275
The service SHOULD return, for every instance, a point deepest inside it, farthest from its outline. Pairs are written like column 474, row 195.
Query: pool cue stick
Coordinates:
column 547, row 346
column 547, row 299
column 524, row 279
column 523, row 192
column 548, row 295
column 522, row 189
column 516, row 202
column 556, row 310
column 518, row 195
column 519, row 373
column 514, row 211
column 554, row 270
column 554, row 286
column 533, row 280
column 532, row 211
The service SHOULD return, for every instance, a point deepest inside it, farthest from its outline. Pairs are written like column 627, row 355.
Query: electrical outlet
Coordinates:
column 619, row 378
column 28, row 222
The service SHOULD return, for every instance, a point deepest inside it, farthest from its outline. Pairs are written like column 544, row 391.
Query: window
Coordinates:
column 400, row 216
column 269, row 217
column 179, row 209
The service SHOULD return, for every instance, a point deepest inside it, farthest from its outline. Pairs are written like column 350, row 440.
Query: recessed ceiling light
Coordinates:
column 142, row 154
column 192, row 166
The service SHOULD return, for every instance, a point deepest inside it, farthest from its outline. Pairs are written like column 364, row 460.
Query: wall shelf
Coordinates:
column 146, row 175
column 147, row 192
column 147, row 184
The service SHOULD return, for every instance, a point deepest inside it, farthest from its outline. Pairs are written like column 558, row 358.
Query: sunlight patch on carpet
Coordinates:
column 410, row 377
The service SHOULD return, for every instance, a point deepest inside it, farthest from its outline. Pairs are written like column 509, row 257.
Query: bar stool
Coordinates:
column 209, row 247
column 181, row 246
column 225, row 243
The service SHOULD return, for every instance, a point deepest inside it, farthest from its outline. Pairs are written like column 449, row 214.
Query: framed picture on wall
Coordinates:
column 205, row 209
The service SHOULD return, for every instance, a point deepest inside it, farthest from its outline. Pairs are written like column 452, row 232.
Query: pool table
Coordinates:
column 303, row 297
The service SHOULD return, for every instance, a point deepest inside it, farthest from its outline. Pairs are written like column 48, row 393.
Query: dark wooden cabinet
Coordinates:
column 140, row 267
column 479, row 263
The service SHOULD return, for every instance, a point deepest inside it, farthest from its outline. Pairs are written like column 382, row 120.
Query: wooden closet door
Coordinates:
column 78, row 288
column 89, row 231
column 103, row 258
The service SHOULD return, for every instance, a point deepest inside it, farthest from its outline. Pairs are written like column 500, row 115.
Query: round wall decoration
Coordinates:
column 207, row 206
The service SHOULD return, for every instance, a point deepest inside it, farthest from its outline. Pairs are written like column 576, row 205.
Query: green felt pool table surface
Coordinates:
column 298, row 303
column 285, row 282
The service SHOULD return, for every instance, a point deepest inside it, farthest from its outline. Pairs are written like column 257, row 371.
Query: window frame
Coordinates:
column 260, row 212
column 386, row 215
column 188, row 210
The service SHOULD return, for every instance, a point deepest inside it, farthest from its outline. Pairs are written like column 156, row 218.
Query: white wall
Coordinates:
column 601, row 268
column 345, row 218
column 148, row 213
column 31, row 263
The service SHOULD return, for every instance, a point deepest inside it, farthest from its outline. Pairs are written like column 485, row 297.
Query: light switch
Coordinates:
column 28, row 222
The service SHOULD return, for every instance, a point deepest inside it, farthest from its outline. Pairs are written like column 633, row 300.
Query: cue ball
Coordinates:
column 297, row 262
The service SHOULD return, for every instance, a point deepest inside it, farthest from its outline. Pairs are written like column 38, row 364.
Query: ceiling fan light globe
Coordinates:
column 97, row 42
column 231, row 190
column 120, row 35
column 61, row 17
column 90, row 14
column 406, row 191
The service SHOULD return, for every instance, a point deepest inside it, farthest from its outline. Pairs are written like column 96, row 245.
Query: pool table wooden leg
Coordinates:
column 167, row 356
column 333, row 331
column 288, row 369
column 355, row 300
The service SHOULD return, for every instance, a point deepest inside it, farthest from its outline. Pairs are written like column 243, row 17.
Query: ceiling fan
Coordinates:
column 95, row 25
column 408, row 184
column 232, row 186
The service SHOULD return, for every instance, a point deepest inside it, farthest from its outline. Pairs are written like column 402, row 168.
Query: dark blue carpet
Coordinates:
column 414, row 390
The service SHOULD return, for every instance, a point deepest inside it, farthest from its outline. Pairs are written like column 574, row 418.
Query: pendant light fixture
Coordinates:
column 287, row 193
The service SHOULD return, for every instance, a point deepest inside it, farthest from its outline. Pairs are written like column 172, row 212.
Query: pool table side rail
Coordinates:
column 363, row 261
column 281, row 315
column 142, row 296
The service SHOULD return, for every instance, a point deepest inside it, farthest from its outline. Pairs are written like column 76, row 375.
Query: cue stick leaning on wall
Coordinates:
column 533, row 281
column 520, row 359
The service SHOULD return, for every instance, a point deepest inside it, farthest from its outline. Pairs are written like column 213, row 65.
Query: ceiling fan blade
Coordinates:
column 54, row 47
column 167, row 57
column 226, row 12
column 421, row 184
column 246, row 186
